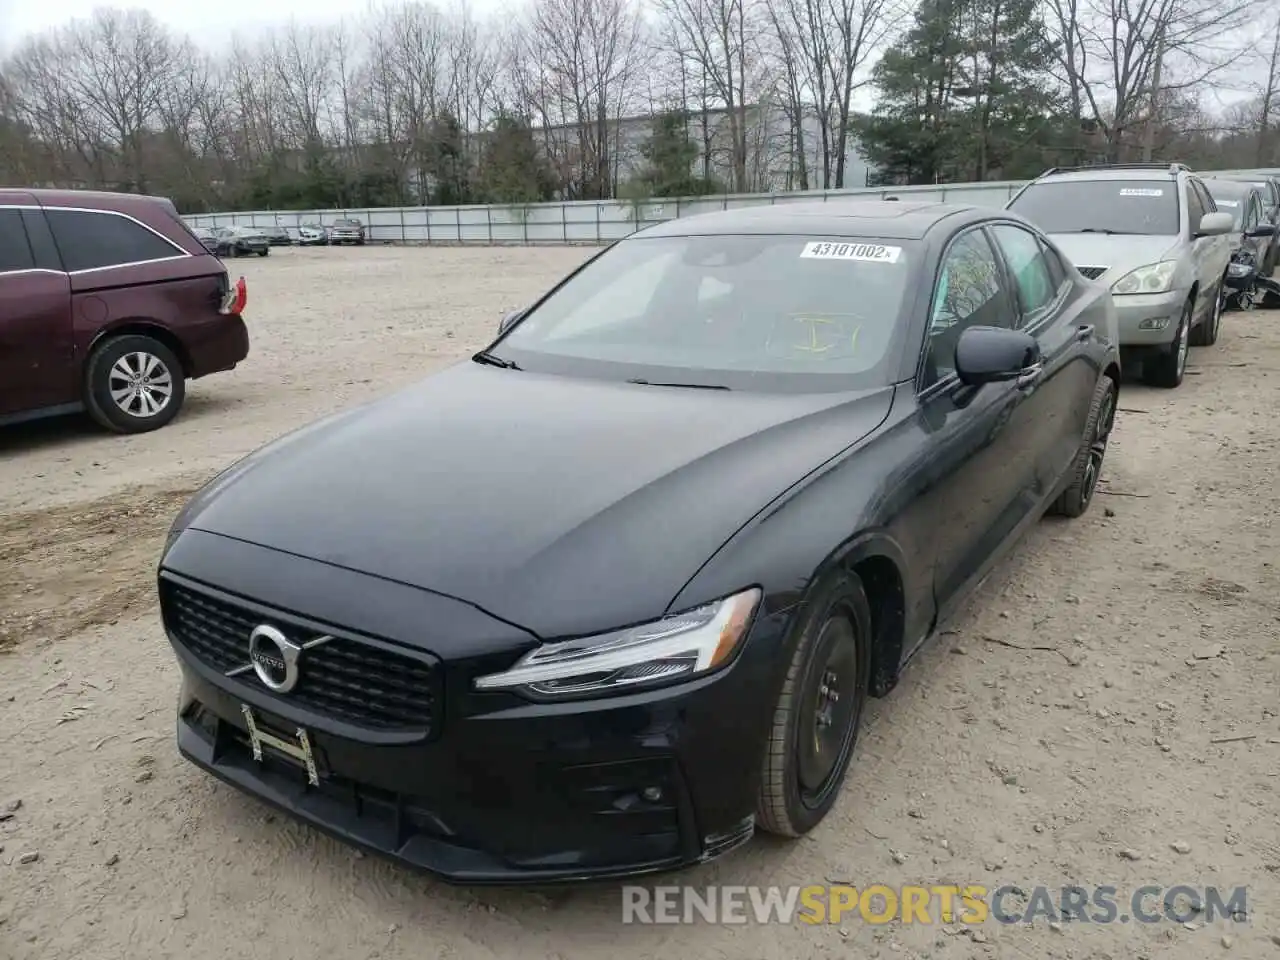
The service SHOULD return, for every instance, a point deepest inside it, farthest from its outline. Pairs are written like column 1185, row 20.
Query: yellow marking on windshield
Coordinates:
column 813, row 346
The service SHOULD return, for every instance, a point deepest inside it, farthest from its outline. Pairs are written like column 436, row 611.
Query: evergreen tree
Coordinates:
column 512, row 171
column 447, row 162
column 669, row 155
column 963, row 94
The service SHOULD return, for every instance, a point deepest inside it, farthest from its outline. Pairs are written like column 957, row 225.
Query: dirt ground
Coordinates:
column 1093, row 761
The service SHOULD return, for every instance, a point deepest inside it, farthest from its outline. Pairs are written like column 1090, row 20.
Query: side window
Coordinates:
column 15, row 251
column 969, row 292
column 42, row 245
column 1057, row 269
column 1022, row 253
column 92, row 240
column 1196, row 208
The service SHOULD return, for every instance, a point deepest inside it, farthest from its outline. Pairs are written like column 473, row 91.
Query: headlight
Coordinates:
column 1153, row 278
column 679, row 647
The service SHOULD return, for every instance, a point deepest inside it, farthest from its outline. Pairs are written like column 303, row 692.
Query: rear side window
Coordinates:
column 91, row 241
column 15, row 251
column 1196, row 209
column 1025, row 259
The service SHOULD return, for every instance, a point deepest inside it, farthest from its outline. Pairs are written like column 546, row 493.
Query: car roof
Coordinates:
column 90, row 199
column 1221, row 186
column 901, row 220
column 1258, row 178
column 1154, row 174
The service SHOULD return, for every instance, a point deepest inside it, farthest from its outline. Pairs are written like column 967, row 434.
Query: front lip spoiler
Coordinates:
column 473, row 868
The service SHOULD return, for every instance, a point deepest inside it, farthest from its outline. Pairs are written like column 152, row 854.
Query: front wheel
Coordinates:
column 1087, row 466
column 263, row 253
column 1206, row 335
column 133, row 384
column 818, row 713
column 1168, row 367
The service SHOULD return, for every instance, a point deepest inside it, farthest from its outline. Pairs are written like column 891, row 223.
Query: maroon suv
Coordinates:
column 108, row 303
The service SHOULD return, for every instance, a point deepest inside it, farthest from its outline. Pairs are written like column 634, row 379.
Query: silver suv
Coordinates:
column 1151, row 233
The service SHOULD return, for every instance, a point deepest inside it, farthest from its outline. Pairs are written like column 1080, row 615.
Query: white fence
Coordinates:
column 585, row 221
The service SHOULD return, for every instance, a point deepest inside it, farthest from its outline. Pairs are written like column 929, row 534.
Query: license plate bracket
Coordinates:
column 298, row 748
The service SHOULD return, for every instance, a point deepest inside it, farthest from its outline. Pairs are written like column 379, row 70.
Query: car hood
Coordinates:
column 1119, row 254
column 563, row 505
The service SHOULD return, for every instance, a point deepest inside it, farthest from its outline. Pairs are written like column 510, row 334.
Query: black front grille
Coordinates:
column 1093, row 273
column 359, row 681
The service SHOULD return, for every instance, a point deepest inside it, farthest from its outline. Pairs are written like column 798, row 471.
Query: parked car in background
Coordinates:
column 312, row 235
column 347, row 231
column 1261, row 210
column 108, row 303
column 277, row 236
column 241, row 242
column 206, row 236
column 1150, row 233
column 1253, row 239
column 815, row 427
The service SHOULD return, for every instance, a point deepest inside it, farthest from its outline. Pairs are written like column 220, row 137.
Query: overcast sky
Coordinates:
column 210, row 22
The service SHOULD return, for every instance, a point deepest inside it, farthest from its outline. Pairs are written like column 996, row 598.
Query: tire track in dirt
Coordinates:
column 72, row 567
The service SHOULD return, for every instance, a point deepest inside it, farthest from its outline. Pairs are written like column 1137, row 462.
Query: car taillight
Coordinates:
column 234, row 302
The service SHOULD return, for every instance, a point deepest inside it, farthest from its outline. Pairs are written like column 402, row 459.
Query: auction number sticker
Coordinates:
column 1227, row 203
column 1141, row 192
column 864, row 252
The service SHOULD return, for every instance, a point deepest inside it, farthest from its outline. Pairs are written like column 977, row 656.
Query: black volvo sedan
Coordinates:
column 612, row 594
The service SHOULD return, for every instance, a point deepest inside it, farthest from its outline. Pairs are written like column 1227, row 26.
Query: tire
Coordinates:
column 1087, row 467
column 832, row 650
column 1167, row 368
column 1206, row 334
column 263, row 253
column 129, row 412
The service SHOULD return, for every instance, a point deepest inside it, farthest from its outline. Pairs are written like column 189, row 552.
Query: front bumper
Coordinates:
column 503, row 790
column 1147, row 319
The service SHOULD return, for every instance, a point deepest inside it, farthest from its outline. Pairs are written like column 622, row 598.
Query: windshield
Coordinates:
column 1146, row 207
column 1229, row 198
column 742, row 312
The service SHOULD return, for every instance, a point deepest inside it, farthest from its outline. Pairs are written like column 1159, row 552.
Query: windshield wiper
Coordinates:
column 691, row 386
column 1109, row 233
column 484, row 356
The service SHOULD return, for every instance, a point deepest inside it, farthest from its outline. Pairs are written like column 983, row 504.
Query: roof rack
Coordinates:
column 1173, row 168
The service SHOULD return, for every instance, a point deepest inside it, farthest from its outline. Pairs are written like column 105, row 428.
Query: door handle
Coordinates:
column 1029, row 375
column 1085, row 331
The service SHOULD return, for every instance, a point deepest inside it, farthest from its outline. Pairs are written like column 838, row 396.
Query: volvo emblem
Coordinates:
column 274, row 658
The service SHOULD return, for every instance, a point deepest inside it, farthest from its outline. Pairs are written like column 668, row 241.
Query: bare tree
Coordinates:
column 722, row 38
column 1269, row 98
column 589, row 58
column 1121, row 58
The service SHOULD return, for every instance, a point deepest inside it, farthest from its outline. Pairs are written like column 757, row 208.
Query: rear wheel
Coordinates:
column 1167, row 368
column 264, row 251
column 816, row 718
column 1087, row 467
column 133, row 384
column 1206, row 334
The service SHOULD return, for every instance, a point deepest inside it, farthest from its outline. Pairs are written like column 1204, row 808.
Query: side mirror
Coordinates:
column 994, row 354
column 1262, row 230
column 1215, row 224
column 508, row 321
